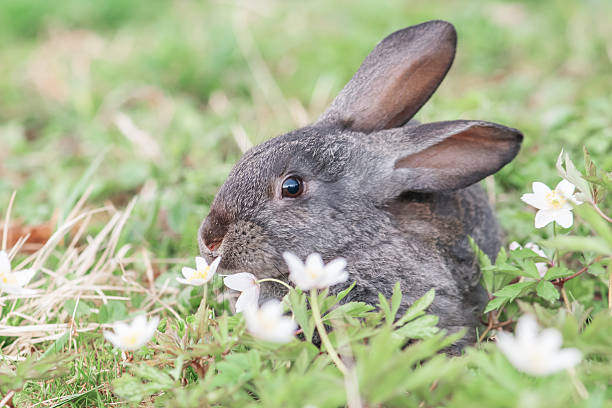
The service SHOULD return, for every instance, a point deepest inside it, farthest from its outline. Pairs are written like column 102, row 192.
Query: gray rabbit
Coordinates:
column 395, row 198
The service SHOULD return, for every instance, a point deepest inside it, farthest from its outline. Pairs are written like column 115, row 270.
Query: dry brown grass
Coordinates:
column 73, row 264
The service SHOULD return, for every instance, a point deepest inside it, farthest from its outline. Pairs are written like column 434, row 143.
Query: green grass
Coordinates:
column 189, row 74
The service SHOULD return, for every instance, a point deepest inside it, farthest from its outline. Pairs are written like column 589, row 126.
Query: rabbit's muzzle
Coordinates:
column 211, row 233
column 242, row 245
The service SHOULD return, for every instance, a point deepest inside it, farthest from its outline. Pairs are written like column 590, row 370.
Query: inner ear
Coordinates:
column 466, row 150
column 465, row 153
column 395, row 79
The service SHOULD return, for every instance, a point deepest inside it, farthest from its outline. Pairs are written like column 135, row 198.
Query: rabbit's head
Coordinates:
column 326, row 187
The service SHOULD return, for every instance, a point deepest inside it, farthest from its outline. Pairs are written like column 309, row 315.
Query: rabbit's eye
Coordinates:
column 292, row 187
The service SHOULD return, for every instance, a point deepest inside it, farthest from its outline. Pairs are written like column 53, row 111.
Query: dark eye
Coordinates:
column 292, row 187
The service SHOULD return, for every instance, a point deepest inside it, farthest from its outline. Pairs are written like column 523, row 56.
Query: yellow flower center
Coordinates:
column 129, row 340
column 8, row 279
column 200, row 274
column 312, row 272
column 556, row 199
column 265, row 322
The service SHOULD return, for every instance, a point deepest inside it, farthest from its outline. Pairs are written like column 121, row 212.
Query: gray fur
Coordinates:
column 398, row 202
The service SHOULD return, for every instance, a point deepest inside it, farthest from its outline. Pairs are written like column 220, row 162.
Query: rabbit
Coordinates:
column 397, row 199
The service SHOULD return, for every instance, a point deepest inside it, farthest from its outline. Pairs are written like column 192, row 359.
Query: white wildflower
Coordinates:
column 130, row 337
column 268, row 323
column 13, row 282
column 536, row 352
column 553, row 205
column 246, row 283
column 202, row 274
column 313, row 273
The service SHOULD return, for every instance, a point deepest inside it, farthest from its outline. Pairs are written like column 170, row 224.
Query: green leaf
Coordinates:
column 396, row 299
column 417, row 308
column 345, row 292
column 557, row 272
column 420, row 328
column 513, row 291
column 82, row 309
column 58, row 345
column 529, row 269
column 485, row 265
column 547, row 290
column 154, row 375
column 495, row 304
column 297, row 302
column 384, row 306
column 352, row 309
column 571, row 174
column 112, row 311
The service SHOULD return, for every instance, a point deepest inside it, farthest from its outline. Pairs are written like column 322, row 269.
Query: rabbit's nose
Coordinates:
column 212, row 232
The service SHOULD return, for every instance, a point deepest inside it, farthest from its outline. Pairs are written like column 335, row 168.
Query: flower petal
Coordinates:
column 536, row 249
column 200, row 263
column 566, row 188
column 188, row 272
column 151, row 327
column 550, row 339
column 112, row 338
column 565, row 358
column 213, row 268
column 139, row 324
column 25, row 276
column 526, row 328
column 314, row 262
column 294, row 263
column 535, row 200
column 192, row 282
column 240, row 281
column 272, row 308
column 514, row 246
column 544, row 217
column 121, row 328
column 565, row 218
column 5, row 263
column 333, row 280
column 540, row 188
column 335, row 267
column 248, row 299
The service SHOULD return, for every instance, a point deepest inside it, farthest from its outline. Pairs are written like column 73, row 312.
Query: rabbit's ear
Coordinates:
column 395, row 80
column 443, row 156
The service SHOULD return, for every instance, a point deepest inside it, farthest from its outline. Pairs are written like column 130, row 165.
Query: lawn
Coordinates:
column 120, row 120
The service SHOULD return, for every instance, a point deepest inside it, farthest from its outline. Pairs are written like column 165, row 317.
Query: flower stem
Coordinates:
column 565, row 299
column 201, row 315
column 604, row 216
column 275, row 280
column 316, row 313
column 580, row 388
column 556, row 253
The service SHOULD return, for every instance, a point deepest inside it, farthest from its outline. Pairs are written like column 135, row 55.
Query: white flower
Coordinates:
column 313, row 273
column 268, row 322
column 536, row 352
column 542, row 267
column 133, row 336
column 13, row 282
column 202, row 274
column 247, row 284
column 553, row 205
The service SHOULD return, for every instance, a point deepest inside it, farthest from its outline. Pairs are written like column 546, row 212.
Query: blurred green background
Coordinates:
column 158, row 97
